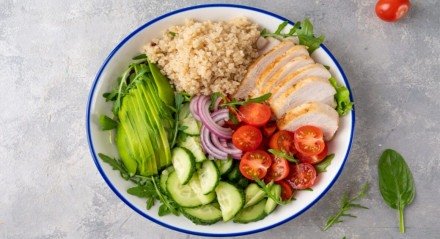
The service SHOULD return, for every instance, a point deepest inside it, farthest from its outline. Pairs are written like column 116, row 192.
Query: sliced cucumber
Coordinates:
column 204, row 215
column 234, row 175
column 191, row 125
column 164, row 177
column 230, row 198
column 209, row 176
column 251, row 214
column 184, row 111
column 193, row 144
column 224, row 166
column 183, row 195
column 271, row 204
column 253, row 195
column 184, row 164
column 195, row 184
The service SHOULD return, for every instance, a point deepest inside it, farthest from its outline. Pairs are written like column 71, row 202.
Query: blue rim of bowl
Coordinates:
column 113, row 188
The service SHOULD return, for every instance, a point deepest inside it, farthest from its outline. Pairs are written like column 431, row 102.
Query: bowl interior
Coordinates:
column 131, row 46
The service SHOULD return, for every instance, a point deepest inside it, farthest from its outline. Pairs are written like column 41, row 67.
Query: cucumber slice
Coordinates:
column 195, row 184
column 230, row 198
column 234, row 175
column 192, row 128
column 209, row 176
column 253, row 195
column 183, row 195
column 203, row 215
column 252, row 214
column 193, row 144
column 184, row 164
column 184, row 111
column 224, row 166
column 271, row 204
column 164, row 177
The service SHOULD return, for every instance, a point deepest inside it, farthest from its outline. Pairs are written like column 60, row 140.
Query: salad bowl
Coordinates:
column 131, row 46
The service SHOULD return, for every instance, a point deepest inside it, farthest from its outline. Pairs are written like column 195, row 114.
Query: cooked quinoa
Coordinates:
column 206, row 57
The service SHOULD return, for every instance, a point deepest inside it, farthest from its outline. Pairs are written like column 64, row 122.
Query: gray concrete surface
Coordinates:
column 49, row 54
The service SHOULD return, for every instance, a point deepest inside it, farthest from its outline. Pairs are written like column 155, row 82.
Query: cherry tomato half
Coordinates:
column 315, row 158
column 278, row 170
column 286, row 190
column 283, row 140
column 269, row 129
column 255, row 114
column 301, row 176
column 254, row 164
column 247, row 138
column 309, row 140
column 392, row 10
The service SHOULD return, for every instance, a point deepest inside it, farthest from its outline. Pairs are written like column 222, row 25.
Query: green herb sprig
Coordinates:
column 347, row 204
column 396, row 183
column 303, row 30
column 267, row 188
column 322, row 166
column 342, row 97
column 235, row 102
column 283, row 154
column 146, row 187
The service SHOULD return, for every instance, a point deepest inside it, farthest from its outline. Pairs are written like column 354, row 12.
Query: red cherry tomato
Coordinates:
column 254, row 164
column 286, row 190
column 278, row 170
column 301, row 176
column 309, row 140
column 269, row 129
column 315, row 158
column 392, row 10
column 255, row 114
column 247, row 138
column 283, row 140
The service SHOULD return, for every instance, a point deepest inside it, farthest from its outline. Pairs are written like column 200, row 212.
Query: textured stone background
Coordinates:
column 51, row 50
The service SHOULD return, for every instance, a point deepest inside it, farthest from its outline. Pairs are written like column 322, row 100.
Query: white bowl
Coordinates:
column 131, row 46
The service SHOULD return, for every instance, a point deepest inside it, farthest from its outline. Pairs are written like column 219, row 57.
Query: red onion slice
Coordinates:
column 209, row 147
column 193, row 108
column 205, row 117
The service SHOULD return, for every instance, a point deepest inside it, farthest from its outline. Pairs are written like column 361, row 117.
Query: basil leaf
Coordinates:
column 107, row 123
column 342, row 97
column 322, row 166
column 396, row 183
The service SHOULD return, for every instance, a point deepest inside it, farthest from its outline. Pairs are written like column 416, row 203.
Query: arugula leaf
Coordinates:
column 281, row 27
column 179, row 99
column 214, row 97
column 260, row 99
column 322, row 166
column 303, row 30
column 142, row 191
column 396, row 183
column 107, row 123
column 267, row 188
column 347, row 204
column 342, row 97
column 283, row 154
column 140, row 57
column 116, row 165
column 308, row 189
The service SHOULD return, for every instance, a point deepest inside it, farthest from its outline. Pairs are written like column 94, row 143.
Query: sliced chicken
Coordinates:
column 287, row 82
column 266, row 44
column 287, row 69
column 248, row 83
column 278, row 63
column 313, row 113
column 306, row 90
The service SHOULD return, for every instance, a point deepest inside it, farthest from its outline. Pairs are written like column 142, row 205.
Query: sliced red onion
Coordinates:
column 209, row 147
column 193, row 108
column 217, row 103
column 205, row 117
column 217, row 144
column 223, row 142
